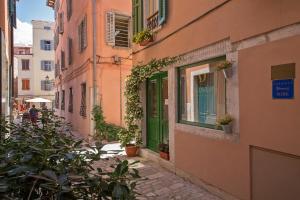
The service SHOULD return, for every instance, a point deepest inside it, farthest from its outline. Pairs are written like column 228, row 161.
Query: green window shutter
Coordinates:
column 133, row 17
column 140, row 15
column 137, row 15
column 163, row 9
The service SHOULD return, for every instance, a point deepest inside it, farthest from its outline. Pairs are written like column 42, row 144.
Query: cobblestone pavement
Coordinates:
column 164, row 185
column 160, row 184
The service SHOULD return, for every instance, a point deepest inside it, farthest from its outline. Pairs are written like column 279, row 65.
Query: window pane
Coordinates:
column 153, row 94
column 201, row 94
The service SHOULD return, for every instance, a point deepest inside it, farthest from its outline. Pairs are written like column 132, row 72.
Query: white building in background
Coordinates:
column 35, row 65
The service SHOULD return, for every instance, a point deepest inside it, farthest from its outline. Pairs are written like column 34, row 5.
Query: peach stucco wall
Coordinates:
column 236, row 20
column 110, row 76
column 263, row 122
column 5, row 25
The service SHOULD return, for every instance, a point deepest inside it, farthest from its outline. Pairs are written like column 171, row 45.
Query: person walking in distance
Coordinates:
column 33, row 112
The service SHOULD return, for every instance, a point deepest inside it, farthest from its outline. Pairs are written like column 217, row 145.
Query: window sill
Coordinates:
column 207, row 132
column 119, row 47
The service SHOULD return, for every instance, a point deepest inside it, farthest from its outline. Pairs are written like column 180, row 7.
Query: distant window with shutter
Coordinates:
column 25, row 64
column 69, row 8
column 57, row 100
column 62, row 106
column 82, row 34
column 70, row 107
column 117, row 29
column 62, row 61
column 25, row 84
column 83, row 100
column 57, row 69
column 46, row 45
column 61, row 23
column 46, row 65
column 46, row 85
column 56, row 37
column 70, row 51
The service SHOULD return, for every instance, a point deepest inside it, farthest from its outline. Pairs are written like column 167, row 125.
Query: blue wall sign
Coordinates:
column 283, row 89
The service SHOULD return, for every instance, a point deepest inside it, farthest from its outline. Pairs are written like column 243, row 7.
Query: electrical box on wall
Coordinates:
column 282, row 77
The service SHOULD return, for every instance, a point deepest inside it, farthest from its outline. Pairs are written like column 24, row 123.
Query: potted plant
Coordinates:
column 225, row 66
column 126, row 138
column 226, row 123
column 143, row 37
column 164, row 151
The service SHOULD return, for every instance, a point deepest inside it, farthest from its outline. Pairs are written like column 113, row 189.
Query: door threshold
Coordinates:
column 154, row 156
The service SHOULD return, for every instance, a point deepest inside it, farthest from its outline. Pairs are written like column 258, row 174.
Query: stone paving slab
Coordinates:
column 159, row 184
column 165, row 185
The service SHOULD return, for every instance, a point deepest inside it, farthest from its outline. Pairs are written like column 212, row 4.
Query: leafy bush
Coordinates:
column 104, row 130
column 45, row 162
column 126, row 137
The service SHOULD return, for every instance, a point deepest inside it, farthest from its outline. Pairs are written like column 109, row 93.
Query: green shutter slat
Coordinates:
column 163, row 9
column 137, row 15
column 140, row 15
column 133, row 17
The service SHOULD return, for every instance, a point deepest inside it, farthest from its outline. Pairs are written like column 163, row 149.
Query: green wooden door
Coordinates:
column 157, row 110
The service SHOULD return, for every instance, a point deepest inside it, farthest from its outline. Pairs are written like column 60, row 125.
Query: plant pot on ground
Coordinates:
column 164, row 151
column 131, row 150
column 126, row 137
column 226, row 123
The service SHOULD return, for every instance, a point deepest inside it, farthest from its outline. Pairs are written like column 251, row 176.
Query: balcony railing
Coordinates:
column 152, row 21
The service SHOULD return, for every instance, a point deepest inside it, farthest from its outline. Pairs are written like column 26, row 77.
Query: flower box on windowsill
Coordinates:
column 147, row 41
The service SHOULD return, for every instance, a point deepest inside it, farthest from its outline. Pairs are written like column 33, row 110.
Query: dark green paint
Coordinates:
column 157, row 111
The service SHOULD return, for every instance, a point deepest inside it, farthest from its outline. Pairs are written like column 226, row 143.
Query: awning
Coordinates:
column 38, row 100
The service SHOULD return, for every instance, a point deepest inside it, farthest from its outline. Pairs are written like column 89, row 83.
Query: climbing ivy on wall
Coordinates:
column 134, row 110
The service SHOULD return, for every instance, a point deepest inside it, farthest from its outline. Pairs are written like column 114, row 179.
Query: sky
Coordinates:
column 28, row 10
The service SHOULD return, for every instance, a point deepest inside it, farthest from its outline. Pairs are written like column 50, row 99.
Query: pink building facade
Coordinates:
column 93, row 53
column 260, row 159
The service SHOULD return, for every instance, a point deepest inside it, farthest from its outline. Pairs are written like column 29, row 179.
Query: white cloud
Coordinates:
column 23, row 33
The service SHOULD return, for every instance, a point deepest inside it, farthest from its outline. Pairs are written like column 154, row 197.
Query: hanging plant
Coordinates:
column 134, row 110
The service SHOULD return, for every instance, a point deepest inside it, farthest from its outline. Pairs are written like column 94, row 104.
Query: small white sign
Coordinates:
column 166, row 101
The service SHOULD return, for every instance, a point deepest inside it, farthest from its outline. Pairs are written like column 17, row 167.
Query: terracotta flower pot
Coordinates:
column 145, row 42
column 164, row 155
column 131, row 150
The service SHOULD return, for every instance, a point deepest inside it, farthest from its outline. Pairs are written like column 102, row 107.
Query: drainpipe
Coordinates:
column 94, row 54
column 1, row 72
column 94, row 71
column 12, row 89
